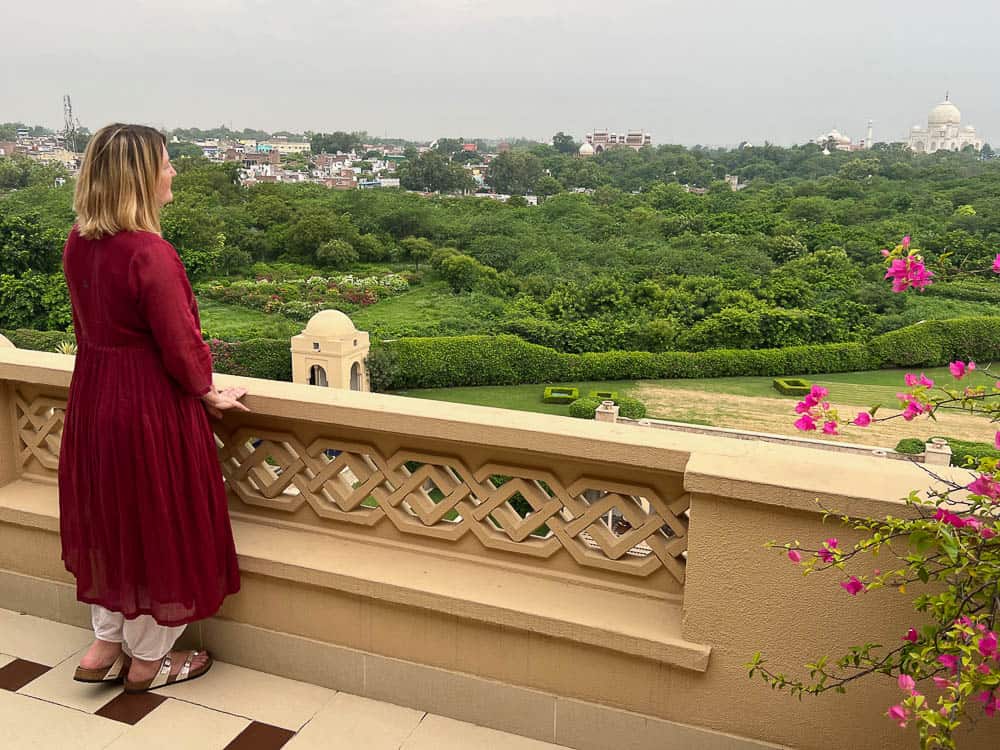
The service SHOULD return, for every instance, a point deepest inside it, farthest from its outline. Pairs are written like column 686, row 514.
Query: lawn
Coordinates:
column 857, row 388
column 235, row 323
column 424, row 306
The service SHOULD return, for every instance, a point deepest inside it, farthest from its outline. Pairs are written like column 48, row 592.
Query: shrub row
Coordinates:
column 507, row 360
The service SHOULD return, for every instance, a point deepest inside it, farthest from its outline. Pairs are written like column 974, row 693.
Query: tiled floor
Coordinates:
column 41, row 707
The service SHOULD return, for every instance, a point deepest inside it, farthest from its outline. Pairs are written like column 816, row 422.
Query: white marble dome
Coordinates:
column 586, row 149
column 945, row 113
column 330, row 324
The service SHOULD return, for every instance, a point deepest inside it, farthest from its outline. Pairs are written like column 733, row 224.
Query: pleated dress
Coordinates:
column 143, row 514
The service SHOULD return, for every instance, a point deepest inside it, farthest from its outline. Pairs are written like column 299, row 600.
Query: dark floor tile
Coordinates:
column 259, row 736
column 130, row 709
column 19, row 673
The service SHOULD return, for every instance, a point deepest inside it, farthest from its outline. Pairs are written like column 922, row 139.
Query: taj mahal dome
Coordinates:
column 944, row 131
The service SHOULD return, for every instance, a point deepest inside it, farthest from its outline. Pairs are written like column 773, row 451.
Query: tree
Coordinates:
column 177, row 150
column 26, row 245
column 333, row 143
column 565, row 144
column 433, row 173
column 463, row 272
column 515, row 173
column 337, row 254
column 418, row 249
column 548, row 185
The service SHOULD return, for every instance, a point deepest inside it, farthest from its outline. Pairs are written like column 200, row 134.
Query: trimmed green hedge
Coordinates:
column 910, row 446
column 604, row 395
column 962, row 450
column 557, row 394
column 791, row 386
column 39, row 341
column 509, row 360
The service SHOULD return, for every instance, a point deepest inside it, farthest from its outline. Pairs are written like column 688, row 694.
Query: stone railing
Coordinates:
column 568, row 580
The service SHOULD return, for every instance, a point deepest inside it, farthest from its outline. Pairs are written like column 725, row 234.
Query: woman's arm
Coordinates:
column 166, row 303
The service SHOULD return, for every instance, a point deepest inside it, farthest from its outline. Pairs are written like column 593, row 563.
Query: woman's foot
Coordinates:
column 142, row 670
column 101, row 654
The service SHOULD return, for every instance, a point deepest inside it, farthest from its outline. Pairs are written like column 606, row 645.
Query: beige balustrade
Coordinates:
column 573, row 581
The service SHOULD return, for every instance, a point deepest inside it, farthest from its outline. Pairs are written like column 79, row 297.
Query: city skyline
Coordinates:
column 709, row 74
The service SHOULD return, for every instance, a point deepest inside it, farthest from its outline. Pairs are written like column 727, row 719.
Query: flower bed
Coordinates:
column 300, row 299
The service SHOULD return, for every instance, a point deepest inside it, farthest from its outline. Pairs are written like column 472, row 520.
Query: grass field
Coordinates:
column 427, row 304
column 234, row 323
column 747, row 403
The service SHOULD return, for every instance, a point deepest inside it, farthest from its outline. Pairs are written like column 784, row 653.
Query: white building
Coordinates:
column 944, row 131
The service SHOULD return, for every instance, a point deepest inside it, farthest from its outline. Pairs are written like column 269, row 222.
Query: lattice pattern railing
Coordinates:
column 614, row 526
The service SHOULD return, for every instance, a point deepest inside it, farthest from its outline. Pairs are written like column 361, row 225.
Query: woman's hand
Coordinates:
column 217, row 402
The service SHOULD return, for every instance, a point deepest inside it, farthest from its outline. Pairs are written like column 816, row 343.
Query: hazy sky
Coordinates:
column 691, row 71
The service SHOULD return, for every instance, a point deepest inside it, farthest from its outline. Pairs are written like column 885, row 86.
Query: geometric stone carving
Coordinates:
column 613, row 526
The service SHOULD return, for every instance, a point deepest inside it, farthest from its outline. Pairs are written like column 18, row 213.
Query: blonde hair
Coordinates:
column 117, row 190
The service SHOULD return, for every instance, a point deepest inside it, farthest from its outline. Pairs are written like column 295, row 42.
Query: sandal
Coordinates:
column 163, row 677
column 114, row 673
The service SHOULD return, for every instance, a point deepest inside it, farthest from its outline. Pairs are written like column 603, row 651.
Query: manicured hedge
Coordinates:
column 557, row 394
column 604, row 395
column 508, row 360
column 936, row 342
column 791, row 386
column 255, row 358
column 631, row 408
column 962, row 450
column 41, row 341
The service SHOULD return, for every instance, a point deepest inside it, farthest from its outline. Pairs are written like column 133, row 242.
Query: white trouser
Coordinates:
column 144, row 638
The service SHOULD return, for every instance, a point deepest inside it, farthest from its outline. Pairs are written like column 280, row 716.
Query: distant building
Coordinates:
column 470, row 148
column 837, row 141
column 602, row 140
column 944, row 131
column 285, row 147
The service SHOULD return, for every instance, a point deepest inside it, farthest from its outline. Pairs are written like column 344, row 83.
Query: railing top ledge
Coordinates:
column 741, row 469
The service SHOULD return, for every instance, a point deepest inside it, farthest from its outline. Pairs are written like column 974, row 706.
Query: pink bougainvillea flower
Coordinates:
column 825, row 555
column 863, row 419
column 949, row 662
column 906, row 682
column 830, row 428
column 996, row 264
column 988, row 644
column 986, row 486
column 910, row 379
column 996, row 440
column 832, row 542
column 802, row 407
column 911, row 635
column 900, row 714
column 913, row 409
column 818, row 393
column 983, row 668
column 925, row 381
column 805, row 423
column 886, row 253
column 943, row 682
column 794, row 555
column 906, row 242
column 960, row 369
column 987, row 533
column 852, row 586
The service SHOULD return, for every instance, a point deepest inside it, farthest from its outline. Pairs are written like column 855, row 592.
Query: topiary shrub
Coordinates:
column 604, row 395
column 910, row 446
column 631, row 408
column 559, row 394
column 791, row 386
column 583, row 408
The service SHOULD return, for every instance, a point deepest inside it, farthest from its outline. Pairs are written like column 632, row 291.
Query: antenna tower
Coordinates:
column 69, row 125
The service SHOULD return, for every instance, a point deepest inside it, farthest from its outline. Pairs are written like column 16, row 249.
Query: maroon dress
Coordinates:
column 143, row 515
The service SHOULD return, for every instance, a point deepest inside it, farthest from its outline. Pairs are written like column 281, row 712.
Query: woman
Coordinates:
column 143, row 514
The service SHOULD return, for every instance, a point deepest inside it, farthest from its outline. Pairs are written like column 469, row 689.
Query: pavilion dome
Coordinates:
column 945, row 113
column 586, row 149
column 330, row 324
